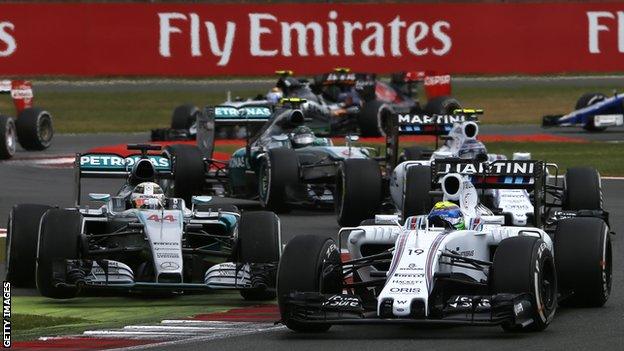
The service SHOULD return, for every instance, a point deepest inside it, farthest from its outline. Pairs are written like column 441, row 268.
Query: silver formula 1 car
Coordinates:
column 141, row 240
column 433, row 271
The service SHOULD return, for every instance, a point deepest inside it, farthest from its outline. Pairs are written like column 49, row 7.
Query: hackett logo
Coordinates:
column 332, row 36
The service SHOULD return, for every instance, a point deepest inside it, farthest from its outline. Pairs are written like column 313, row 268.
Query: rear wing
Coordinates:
column 500, row 174
column 21, row 92
column 529, row 175
column 435, row 84
column 246, row 114
column 115, row 166
column 419, row 124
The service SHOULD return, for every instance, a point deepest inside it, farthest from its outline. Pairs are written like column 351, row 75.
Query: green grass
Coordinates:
column 35, row 316
column 86, row 112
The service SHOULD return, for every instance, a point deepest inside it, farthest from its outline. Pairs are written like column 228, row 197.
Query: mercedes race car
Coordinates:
column 337, row 103
column 140, row 240
column 33, row 125
column 283, row 164
column 458, row 265
column 593, row 111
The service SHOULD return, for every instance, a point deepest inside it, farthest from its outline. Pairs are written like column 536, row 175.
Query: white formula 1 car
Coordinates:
column 140, row 240
column 428, row 272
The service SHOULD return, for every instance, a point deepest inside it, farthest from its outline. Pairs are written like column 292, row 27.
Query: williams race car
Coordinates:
column 593, row 111
column 32, row 127
column 458, row 265
column 140, row 240
column 337, row 103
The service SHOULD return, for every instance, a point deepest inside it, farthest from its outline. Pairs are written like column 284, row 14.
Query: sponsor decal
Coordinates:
column 467, row 302
column 518, row 309
column 409, row 275
column 169, row 266
column 507, row 168
column 467, row 253
column 405, row 290
column 243, row 112
column 167, row 255
column 342, row 301
column 406, row 282
column 114, row 162
column 434, row 119
column 243, row 39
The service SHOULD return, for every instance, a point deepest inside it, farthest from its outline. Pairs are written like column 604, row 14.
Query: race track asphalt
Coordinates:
column 572, row 329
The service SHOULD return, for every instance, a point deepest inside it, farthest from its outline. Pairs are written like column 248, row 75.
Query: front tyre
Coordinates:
column 259, row 243
column 8, row 137
column 278, row 170
column 525, row 265
column 310, row 263
column 34, row 129
column 584, row 261
column 58, row 241
column 358, row 191
column 187, row 165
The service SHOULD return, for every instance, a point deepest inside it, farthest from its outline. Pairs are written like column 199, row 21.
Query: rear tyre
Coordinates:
column 34, row 129
column 442, row 105
column 21, row 243
column 184, row 116
column 58, row 241
column 259, row 242
column 525, row 265
column 584, row 261
column 586, row 100
column 416, row 199
column 371, row 117
column 187, row 164
column 358, row 191
column 582, row 189
column 278, row 170
column 304, row 267
column 8, row 135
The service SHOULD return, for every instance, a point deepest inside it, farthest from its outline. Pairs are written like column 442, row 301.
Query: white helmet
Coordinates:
column 147, row 195
column 275, row 95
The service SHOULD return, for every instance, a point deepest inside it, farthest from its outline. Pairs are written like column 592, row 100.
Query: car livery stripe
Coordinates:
column 399, row 251
column 430, row 256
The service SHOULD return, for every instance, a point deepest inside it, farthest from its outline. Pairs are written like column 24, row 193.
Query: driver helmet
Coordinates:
column 147, row 195
column 274, row 95
column 302, row 136
column 469, row 149
column 447, row 214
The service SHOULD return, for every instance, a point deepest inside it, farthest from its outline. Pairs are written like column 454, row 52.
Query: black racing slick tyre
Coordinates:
column 525, row 265
column 582, row 189
column 259, row 242
column 358, row 191
column 416, row 198
column 278, row 170
column 184, row 116
column 309, row 263
column 583, row 255
column 34, row 129
column 442, row 105
column 8, row 137
column 586, row 100
column 21, row 243
column 370, row 118
column 59, row 237
column 187, row 164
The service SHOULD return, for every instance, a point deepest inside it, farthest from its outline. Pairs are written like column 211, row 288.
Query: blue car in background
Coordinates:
column 593, row 111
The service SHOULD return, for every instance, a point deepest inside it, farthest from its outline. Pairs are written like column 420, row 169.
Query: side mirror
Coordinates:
column 200, row 200
column 350, row 138
column 99, row 197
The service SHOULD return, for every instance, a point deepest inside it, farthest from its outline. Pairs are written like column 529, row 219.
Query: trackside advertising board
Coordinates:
column 99, row 39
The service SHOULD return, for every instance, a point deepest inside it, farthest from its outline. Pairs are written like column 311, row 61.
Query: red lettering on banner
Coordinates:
column 91, row 39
